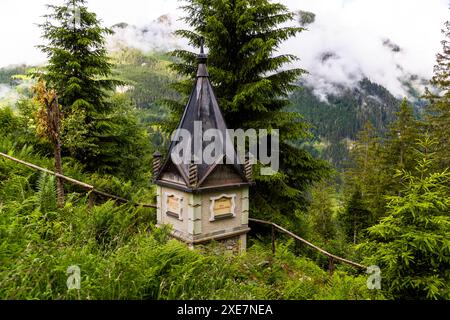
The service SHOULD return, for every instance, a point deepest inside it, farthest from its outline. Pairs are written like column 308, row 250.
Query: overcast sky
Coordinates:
column 352, row 29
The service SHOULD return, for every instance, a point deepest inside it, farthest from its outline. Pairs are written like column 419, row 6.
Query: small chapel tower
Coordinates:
column 204, row 201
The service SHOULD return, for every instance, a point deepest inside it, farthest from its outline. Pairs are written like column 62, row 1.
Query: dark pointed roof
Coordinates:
column 202, row 106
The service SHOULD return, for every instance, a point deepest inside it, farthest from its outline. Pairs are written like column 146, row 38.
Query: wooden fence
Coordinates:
column 331, row 257
column 91, row 189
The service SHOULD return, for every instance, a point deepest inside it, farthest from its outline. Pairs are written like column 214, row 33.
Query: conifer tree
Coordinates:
column 402, row 136
column 101, row 134
column 399, row 146
column 411, row 244
column 321, row 210
column 78, row 68
column 355, row 218
column 438, row 111
column 367, row 174
column 252, row 83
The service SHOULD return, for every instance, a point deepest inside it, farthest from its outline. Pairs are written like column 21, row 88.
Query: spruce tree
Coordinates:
column 366, row 173
column 78, row 68
column 398, row 149
column 438, row 111
column 355, row 218
column 321, row 210
column 252, row 83
column 79, row 71
column 401, row 139
column 99, row 128
column 411, row 244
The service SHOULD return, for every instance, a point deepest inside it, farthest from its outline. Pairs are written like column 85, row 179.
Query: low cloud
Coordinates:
column 154, row 36
column 389, row 42
column 4, row 90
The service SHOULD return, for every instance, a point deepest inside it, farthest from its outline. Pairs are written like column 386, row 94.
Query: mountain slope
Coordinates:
column 341, row 116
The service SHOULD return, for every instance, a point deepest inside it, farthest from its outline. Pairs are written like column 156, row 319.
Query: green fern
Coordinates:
column 46, row 193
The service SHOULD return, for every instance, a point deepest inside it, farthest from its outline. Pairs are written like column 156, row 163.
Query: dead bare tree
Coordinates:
column 49, row 122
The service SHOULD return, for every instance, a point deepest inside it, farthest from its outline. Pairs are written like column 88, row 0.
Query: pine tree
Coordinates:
column 398, row 149
column 355, row 218
column 99, row 128
column 366, row 174
column 438, row 110
column 321, row 210
column 252, row 85
column 411, row 244
column 48, row 126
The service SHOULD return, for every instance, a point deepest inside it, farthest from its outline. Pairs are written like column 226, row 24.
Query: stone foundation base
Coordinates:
column 234, row 245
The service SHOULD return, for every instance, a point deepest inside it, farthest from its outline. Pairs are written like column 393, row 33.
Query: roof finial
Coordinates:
column 202, row 56
column 202, row 44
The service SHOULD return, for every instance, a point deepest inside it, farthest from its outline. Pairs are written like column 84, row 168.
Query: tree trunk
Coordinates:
column 59, row 181
column 54, row 127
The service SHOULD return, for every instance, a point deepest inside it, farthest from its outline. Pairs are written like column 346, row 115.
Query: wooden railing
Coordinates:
column 91, row 189
column 331, row 257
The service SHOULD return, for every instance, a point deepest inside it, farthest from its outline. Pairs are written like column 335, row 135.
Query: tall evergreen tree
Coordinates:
column 411, row 244
column 321, row 210
column 355, row 218
column 366, row 173
column 95, row 130
column 399, row 146
column 78, row 68
column 438, row 96
column 252, row 85
column 402, row 136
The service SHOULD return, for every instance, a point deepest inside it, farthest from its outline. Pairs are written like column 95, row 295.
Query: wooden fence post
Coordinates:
column 91, row 200
column 330, row 265
column 273, row 239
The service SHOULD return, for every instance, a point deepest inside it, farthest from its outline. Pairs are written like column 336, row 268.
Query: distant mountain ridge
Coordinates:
column 336, row 115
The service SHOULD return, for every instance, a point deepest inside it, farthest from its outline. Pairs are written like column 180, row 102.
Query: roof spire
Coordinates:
column 202, row 58
column 202, row 44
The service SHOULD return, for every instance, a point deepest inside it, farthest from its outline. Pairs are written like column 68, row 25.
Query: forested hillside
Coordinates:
column 337, row 120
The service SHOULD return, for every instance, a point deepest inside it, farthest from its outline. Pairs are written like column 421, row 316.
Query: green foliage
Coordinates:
column 252, row 90
column 401, row 139
column 438, row 111
column 338, row 118
column 321, row 210
column 78, row 66
column 149, row 79
column 7, row 75
column 411, row 244
column 367, row 174
column 8, row 122
column 355, row 218
column 46, row 193
column 99, row 129
column 374, row 163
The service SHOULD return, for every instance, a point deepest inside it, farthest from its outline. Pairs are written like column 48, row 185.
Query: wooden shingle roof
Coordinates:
column 203, row 108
